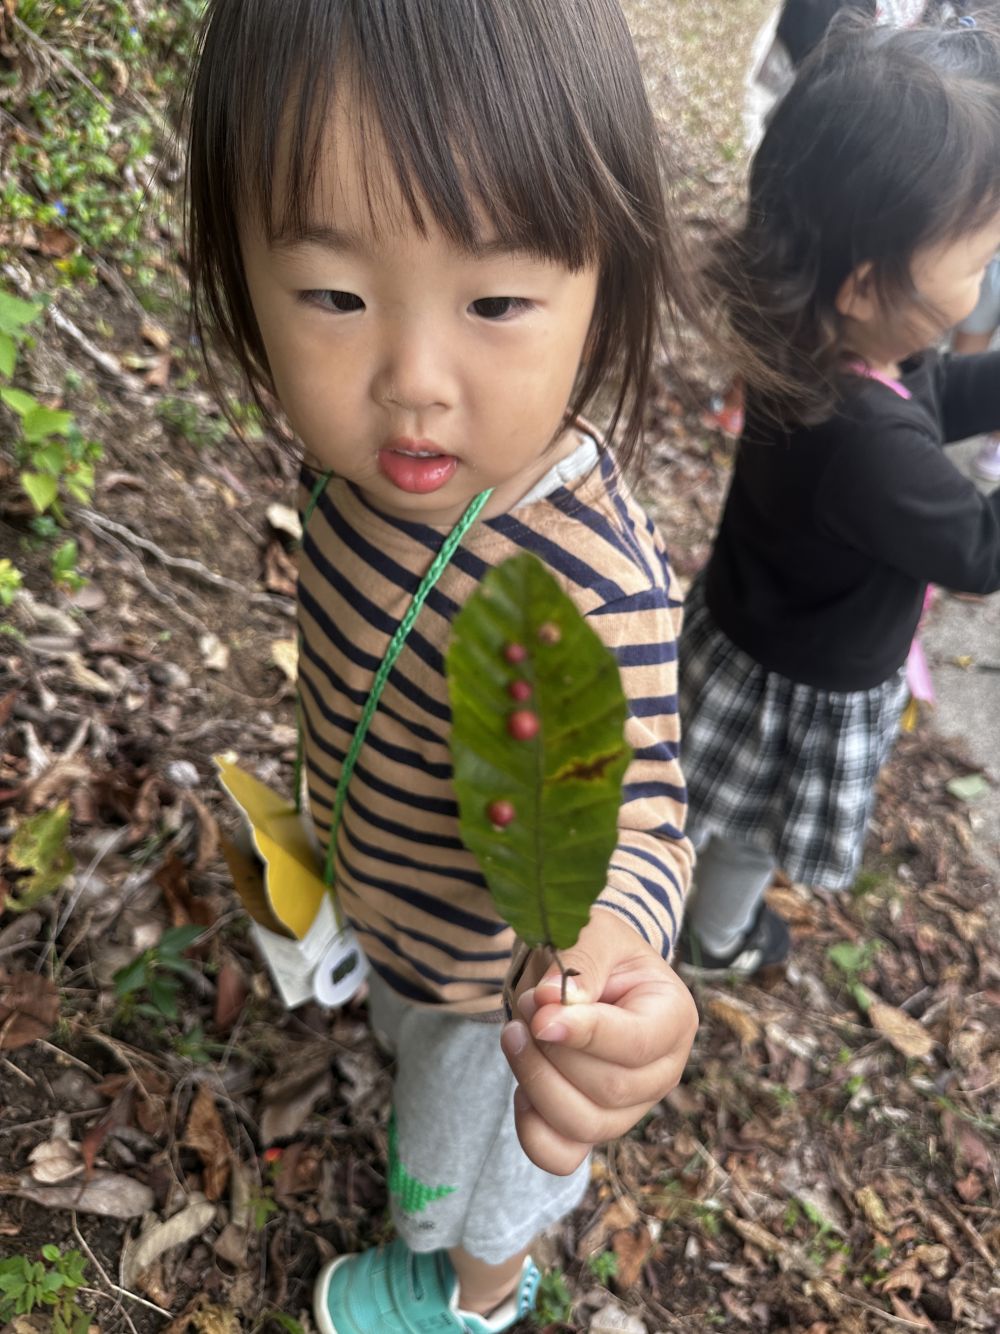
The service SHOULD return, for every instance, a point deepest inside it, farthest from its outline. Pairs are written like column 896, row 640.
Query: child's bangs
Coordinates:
column 500, row 153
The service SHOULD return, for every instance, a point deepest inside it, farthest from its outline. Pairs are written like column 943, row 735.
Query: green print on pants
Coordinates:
column 414, row 1196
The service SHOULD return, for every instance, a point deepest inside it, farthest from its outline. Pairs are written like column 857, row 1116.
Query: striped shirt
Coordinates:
column 413, row 893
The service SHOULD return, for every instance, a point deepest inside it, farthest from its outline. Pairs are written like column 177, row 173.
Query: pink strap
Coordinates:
column 860, row 368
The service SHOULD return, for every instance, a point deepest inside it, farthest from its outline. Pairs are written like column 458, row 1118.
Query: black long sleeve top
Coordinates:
column 831, row 534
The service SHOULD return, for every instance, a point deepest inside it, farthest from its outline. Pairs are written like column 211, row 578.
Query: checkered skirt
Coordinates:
column 781, row 765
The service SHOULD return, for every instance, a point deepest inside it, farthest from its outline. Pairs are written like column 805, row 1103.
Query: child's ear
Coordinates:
column 857, row 298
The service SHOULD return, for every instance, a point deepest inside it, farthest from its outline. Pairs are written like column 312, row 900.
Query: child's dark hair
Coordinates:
column 888, row 142
column 531, row 113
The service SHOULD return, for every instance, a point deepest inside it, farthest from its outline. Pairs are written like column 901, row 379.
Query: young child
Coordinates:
column 874, row 209
column 434, row 232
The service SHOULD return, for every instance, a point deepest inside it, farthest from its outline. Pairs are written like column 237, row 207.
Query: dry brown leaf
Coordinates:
column 230, row 995
column 110, row 1194
column 29, row 1008
column 909, row 1037
column 737, row 1019
column 207, row 1137
column 155, row 333
column 55, row 1160
column 873, row 1209
column 631, row 1248
column 177, row 1230
column 291, row 1095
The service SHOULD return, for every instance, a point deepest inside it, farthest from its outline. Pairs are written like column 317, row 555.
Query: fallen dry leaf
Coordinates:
column 110, row 1194
column 55, row 1160
column 205, row 1134
column 285, row 655
column 873, row 1209
column 737, row 1019
column 909, row 1037
column 631, row 1248
column 291, row 1095
column 29, row 1008
column 177, row 1230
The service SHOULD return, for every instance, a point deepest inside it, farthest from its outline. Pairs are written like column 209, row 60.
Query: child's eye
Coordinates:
column 498, row 307
column 345, row 303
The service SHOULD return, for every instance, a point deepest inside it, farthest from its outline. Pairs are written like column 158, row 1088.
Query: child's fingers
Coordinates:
column 545, row 1147
column 622, row 1095
column 653, row 1019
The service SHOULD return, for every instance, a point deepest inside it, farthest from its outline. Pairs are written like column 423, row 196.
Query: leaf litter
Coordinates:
column 829, row 1164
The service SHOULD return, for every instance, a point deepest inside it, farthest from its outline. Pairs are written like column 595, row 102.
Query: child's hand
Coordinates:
column 587, row 1071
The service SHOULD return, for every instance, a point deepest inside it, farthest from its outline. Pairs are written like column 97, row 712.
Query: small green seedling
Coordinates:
column 603, row 1266
column 157, row 972
column 538, row 751
column 555, row 1302
column 27, row 1285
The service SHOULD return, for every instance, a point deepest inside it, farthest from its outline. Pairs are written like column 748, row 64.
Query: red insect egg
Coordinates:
column 523, row 724
column 549, row 633
column 500, row 814
column 519, row 690
column 515, row 653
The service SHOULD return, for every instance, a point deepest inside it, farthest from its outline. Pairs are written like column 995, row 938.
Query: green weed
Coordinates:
column 156, row 972
column 28, row 1285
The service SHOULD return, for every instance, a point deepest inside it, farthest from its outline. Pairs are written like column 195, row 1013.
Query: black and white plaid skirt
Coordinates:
column 781, row 765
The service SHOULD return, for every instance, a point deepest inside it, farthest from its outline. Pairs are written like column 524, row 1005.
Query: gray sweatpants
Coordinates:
column 457, row 1173
column 730, row 879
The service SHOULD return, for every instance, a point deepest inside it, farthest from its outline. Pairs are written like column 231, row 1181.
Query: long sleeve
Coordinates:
column 970, row 395
column 908, row 507
column 650, row 869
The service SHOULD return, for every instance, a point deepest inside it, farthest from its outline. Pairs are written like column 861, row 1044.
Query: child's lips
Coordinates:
column 416, row 466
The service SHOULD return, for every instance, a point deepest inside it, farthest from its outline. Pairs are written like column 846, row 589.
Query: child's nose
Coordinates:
column 414, row 373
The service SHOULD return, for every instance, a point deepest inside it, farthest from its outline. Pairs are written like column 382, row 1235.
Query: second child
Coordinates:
column 874, row 210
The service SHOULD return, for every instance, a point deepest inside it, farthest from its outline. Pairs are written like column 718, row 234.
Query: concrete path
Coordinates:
column 968, row 698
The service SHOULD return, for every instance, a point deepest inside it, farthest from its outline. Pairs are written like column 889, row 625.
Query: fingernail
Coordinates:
column 554, row 1032
column 522, row 1103
column 514, row 1039
column 527, row 1005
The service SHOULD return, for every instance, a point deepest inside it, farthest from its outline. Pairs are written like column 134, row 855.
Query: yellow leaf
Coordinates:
column 744, row 1025
column 906, row 1035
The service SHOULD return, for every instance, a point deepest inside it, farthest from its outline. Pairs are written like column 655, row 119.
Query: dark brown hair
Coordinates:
column 888, row 142
column 530, row 111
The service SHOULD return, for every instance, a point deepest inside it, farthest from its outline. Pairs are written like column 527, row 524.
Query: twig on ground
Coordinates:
column 980, row 1246
column 54, row 53
column 104, row 360
column 137, row 571
column 185, row 563
column 115, row 1288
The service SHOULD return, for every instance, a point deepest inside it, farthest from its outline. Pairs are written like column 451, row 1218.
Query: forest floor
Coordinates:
column 829, row 1163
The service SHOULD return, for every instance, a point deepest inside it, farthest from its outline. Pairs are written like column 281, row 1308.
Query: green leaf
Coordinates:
column 39, row 846
column 11, row 580
column 51, row 458
column 163, row 994
column 178, row 938
column 51, row 1253
column 15, row 313
column 21, row 402
column 546, row 866
column 41, row 422
column 40, row 488
column 8, row 354
column 132, row 976
column 969, row 788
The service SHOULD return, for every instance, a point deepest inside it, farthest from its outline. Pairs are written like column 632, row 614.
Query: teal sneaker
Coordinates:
column 392, row 1290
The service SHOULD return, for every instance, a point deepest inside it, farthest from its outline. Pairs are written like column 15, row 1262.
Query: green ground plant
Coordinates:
column 50, row 1283
column 156, row 973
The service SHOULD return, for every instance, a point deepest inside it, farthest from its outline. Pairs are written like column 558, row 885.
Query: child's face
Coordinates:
column 418, row 371
column 947, row 278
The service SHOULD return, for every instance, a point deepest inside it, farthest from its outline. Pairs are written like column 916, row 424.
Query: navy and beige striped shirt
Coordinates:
column 412, row 891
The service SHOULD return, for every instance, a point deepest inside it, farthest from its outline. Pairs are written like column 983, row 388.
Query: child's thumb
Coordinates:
column 578, row 976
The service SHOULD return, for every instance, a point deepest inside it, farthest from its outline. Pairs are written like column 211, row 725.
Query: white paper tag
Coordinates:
column 327, row 964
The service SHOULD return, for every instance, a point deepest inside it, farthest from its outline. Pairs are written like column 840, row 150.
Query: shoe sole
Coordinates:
column 321, row 1312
